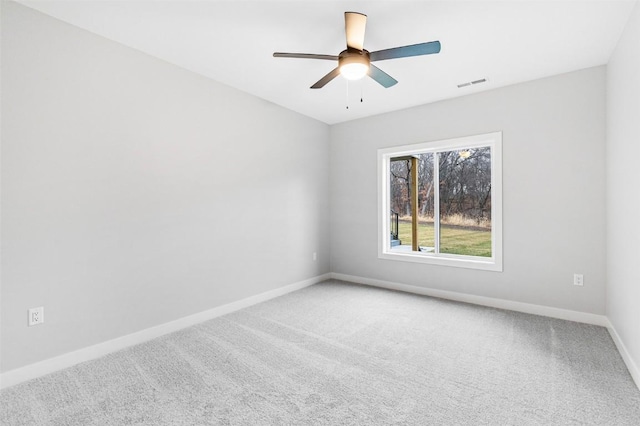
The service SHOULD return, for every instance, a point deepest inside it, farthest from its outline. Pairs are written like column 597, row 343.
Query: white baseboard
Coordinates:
column 38, row 369
column 528, row 308
column 626, row 357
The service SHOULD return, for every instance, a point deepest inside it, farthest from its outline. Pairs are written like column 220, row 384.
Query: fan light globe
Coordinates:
column 354, row 70
column 354, row 64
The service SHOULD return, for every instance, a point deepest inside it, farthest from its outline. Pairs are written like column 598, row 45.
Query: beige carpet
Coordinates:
column 341, row 354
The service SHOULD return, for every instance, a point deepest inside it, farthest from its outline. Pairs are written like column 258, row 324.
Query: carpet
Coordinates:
column 344, row 354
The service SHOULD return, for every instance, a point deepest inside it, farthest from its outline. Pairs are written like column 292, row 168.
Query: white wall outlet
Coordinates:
column 315, row 256
column 36, row 316
column 578, row 279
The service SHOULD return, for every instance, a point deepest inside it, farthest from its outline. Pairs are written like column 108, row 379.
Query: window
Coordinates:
column 441, row 202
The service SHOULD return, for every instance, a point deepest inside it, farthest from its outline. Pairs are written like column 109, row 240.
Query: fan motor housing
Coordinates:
column 354, row 56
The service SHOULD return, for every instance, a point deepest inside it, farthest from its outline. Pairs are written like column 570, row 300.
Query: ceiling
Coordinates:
column 232, row 42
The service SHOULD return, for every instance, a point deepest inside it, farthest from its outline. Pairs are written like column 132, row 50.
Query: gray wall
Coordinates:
column 135, row 192
column 553, row 190
column 623, row 187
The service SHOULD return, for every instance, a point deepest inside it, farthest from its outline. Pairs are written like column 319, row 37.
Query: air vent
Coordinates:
column 469, row 83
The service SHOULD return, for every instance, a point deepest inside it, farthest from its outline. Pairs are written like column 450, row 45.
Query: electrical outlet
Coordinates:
column 36, row 316
column 315, row 256
column 578, row 279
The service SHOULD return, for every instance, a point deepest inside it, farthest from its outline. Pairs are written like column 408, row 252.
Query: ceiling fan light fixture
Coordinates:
column 355, row 61
column 354, row 71
column 353, row 66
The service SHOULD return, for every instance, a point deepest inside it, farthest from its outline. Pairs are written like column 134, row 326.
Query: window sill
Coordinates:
column 456, row 261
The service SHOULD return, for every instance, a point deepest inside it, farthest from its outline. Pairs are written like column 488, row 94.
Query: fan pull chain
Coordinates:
column 347, row 99
column 361, row 94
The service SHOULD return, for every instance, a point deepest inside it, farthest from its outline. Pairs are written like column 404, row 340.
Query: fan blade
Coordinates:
column 327, row 78
column 354, row 26
column 304, row 56
column 406, row 51
column 381, row 77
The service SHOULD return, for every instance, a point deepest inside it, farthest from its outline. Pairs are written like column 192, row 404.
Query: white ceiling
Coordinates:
column 232, row 42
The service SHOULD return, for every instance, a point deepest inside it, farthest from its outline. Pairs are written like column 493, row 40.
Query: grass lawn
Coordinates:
column 453, row 239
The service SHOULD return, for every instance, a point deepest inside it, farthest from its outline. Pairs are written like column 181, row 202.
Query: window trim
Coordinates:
column 494, row 263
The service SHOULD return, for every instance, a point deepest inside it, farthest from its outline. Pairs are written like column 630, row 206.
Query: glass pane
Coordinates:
column 465, row 201
column 400, row 202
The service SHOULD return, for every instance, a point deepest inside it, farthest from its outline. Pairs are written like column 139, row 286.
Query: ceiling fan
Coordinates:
column 355, row 61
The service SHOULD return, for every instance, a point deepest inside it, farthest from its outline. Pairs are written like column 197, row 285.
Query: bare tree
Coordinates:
column 401, row 185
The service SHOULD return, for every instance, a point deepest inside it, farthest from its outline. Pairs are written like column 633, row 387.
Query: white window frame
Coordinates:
column 493, row 263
